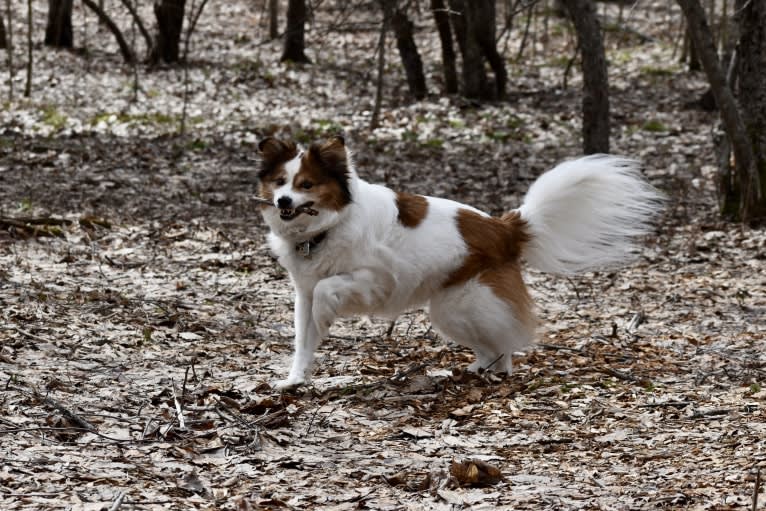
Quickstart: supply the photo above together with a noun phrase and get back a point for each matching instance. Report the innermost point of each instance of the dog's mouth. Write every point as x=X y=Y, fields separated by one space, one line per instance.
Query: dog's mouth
x=287 y=214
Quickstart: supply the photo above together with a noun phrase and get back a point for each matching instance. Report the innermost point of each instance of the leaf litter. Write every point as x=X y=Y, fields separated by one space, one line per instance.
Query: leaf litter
x=143 y=321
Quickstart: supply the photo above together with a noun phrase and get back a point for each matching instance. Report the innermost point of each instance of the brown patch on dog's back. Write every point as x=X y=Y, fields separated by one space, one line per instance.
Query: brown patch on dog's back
x=494 y=248
x=412 y=209
x=326 y=168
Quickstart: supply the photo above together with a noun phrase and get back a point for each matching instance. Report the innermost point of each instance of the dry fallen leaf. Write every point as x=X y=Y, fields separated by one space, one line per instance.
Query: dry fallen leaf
x=475 y=473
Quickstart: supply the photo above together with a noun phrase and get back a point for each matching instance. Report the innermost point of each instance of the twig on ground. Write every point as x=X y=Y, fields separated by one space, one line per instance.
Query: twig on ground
x=36 y=226
x=674 y=404
x=701 y=414
x=69 y=414
x=117 y=502
x=28 y=334
x=756 y=488
x=390 y=330
x=558 y=347
x=636 y=320
x=179 y=408
x=396 y=378
x=617 y=374
x=71 y=429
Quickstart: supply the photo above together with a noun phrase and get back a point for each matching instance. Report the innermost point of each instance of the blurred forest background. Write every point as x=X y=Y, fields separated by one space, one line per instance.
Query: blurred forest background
x=143 y=321
x=135 y=54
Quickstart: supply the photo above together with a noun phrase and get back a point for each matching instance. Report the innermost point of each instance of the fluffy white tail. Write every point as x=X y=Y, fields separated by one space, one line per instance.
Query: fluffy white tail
x=585 y=214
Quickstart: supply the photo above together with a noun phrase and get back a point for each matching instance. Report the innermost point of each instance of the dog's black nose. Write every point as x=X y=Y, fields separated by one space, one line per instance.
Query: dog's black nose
x=284 y=202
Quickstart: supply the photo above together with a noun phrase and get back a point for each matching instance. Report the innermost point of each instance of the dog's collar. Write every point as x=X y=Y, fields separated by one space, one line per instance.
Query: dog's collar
x=305 y=248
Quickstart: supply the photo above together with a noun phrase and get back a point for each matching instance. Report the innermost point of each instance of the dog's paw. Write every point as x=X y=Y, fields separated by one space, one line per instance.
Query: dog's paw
x=290 y=383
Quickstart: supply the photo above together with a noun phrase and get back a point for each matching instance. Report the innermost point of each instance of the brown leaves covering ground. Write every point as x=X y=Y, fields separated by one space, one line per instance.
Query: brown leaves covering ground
x=138 y=345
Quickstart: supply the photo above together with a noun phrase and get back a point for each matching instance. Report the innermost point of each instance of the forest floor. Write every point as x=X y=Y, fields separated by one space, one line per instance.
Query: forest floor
x=143 y=321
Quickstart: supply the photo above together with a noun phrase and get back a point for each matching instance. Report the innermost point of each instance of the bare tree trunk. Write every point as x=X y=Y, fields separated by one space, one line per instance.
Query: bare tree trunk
x=58 y=31
x=738 y=202
x=170 y=19
x=3 y=41
x=9 y=12
x=194 y=15
x=480 y=20
x=28 y=85
x=751 y=72
x=295 y=42
x=689 y=52
x=441 y=19
x=375 y=121
x=474 y=76
x=595 y=102
x=273 y=19
x=408 y=50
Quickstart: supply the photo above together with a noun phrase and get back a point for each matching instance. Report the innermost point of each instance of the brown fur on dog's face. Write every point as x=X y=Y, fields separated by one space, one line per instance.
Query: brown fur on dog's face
x=324 y=170
x=274 y=154
x=319 y=175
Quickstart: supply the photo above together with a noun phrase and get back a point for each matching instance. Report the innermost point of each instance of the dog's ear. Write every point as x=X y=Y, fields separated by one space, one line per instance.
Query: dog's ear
x=331 y=155
x=272 y=149
x=273 y=152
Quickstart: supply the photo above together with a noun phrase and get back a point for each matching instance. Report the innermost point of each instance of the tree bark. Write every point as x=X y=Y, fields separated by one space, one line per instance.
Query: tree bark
x=408 y=50
x=375 y=121
x=28 y=84
x=595 y=102
x=3 y=42
x=473 y=75
x=58 y=31
x=744 y=182
x=295 y=42
x=273 y=19
x=751 y=71
x=474 y=24
x=480 y=21
x=170 y=19
x=9 y=49
x=441 y=19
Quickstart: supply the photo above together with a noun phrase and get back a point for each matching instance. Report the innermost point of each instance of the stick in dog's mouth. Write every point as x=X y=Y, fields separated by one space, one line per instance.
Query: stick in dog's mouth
x=289 y=212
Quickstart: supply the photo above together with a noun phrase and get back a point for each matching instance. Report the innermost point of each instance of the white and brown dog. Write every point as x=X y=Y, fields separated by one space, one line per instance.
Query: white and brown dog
x=365 y=249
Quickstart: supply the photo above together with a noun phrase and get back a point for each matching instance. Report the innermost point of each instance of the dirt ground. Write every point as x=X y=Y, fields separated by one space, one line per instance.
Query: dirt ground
x=143 y=321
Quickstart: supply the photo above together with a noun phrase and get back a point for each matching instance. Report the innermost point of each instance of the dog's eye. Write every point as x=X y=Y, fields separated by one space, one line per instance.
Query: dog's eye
x=280 y=181
x=307 y=185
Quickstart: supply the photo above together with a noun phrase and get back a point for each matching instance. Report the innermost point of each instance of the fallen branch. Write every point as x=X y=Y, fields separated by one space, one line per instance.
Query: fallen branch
x=117 y=502
x=398 y=377
x=36 y=226
x=29 y=334
x=66 y=412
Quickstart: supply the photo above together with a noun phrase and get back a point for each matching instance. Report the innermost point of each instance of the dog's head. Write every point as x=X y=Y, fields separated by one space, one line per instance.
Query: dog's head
x=295 y=180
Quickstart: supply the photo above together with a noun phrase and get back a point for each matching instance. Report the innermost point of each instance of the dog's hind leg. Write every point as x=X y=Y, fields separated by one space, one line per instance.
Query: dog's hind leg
x=490 y=314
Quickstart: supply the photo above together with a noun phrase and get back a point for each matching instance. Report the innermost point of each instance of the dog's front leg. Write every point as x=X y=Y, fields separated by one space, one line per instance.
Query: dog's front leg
x=306 y=341
x=359 y=290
